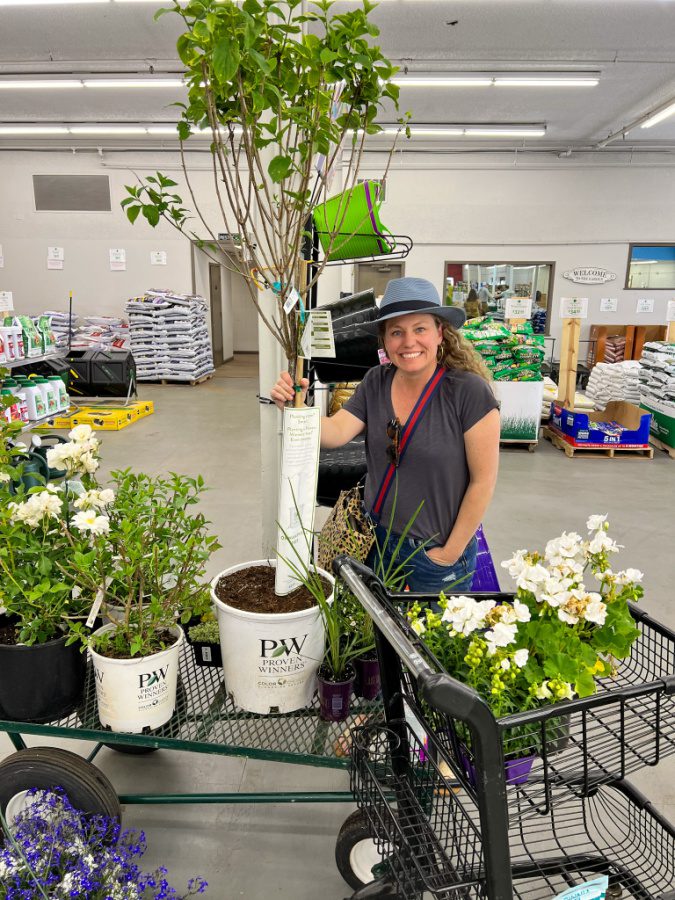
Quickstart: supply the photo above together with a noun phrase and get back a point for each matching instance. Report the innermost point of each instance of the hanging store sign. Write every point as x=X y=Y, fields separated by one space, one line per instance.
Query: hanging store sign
x=589 y=275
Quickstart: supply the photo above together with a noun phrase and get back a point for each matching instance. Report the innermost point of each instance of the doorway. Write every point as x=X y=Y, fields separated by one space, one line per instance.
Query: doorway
x=375 y=275
x=216 y=305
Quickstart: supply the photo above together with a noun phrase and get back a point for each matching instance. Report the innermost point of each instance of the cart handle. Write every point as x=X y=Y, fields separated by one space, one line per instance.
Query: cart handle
x=349 y=571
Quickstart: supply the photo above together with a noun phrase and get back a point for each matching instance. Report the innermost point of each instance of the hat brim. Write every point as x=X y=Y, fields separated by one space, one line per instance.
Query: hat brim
x=452 y=314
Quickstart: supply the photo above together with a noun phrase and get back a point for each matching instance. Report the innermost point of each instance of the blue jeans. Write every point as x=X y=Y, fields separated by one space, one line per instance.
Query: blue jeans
x=421 y=574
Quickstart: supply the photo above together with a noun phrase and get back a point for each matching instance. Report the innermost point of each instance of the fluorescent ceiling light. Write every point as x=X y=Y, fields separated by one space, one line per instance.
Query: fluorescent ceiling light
x=133 y=83
x=47 y=2
x=442 y=81
x=162 y=129
x=511 y=80
x=469 y=130
x=36 y=84
x=546 y=81
x=659 y=116
x=33 y=129
x=107 y=129
x=506 y=132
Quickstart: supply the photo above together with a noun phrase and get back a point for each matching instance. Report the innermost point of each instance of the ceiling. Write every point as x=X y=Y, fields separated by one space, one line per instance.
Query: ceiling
x=630 y=44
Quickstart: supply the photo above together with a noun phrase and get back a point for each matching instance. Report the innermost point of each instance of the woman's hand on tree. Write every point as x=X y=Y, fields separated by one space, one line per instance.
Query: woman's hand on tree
x=283 y=391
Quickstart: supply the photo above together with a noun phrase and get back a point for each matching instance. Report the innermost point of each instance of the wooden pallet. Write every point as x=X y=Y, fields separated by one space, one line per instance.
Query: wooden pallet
x=612 y=451
x=530 y=446
x=661 y=446
x=189 y=381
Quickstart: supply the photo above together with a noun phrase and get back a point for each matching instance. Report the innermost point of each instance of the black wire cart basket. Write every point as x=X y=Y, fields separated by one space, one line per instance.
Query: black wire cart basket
x=454 y=817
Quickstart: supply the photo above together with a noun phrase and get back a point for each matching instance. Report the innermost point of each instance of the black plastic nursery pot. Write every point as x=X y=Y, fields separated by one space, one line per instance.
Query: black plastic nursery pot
x=207 y=654
x=42 y=682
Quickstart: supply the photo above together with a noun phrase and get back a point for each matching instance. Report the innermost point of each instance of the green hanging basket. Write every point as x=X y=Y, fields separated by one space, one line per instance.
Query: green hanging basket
x=352 y=221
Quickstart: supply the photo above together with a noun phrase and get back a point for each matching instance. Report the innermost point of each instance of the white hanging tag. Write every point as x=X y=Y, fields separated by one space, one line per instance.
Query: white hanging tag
x=291 y=301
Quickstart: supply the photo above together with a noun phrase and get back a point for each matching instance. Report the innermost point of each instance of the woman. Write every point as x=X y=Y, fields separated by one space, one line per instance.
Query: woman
x=472 y=305
x=450 y=465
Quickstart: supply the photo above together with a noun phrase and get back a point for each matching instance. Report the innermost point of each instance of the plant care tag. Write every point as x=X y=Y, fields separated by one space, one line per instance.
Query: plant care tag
x=95 y=607
x=317 y=338
x=297 y=495
x=590 y=890
x=292 y=300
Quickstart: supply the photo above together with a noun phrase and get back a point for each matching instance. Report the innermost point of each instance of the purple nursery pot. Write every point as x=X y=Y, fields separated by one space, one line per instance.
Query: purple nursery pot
x=334 y=696
x=367 y=684
x=516 y=771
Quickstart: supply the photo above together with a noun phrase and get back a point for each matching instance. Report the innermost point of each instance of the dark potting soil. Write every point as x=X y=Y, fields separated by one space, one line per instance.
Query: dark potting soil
x=7 y=635
x=252 y=590
x=161 y=641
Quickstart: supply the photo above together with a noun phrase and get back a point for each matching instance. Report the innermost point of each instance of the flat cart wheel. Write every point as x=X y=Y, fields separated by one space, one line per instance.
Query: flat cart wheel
x=87 y=787
x=356 y=852
x=130 y=749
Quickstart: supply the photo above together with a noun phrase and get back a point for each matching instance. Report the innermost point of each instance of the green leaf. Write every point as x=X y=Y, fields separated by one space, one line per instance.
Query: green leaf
x=132 y=213
x=585 y=684
x=327 y=56
x=279 y=168
x=226 y=60
x=151 y=213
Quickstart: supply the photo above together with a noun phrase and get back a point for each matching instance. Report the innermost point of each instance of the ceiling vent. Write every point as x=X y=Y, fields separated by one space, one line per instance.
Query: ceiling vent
x=72 y=193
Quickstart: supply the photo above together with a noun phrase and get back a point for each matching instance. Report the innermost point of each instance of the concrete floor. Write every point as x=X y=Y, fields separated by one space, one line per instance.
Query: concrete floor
x=283 y=850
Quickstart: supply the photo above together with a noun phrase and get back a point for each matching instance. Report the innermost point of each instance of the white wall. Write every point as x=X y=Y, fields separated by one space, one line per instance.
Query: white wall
x=570 y=215
x=463 y=209
x=86 y=238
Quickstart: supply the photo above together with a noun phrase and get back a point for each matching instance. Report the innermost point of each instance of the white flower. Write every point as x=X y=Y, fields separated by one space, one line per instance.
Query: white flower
x=596 y=610
x=4 y=477
x=555 y=591
x=531 y=576
x=602 y=543
x=568 y=617
x=81 y=433
x=629 y=576
x=522 y=611
x=516 y=564
x=87 y=520
x=95 y=499
x=596 y=523
x=543 y=692
x=88 y=463
x=418 y=626
x=505 y=664
x=40 y=506
x=605 y=575
x=520 y=657
x=465 y=615
x=501 y=635
x=565 y=551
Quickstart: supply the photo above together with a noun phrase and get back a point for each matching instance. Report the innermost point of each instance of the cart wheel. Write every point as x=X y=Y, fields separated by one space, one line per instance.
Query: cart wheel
x=87 y=787
x=356 y=852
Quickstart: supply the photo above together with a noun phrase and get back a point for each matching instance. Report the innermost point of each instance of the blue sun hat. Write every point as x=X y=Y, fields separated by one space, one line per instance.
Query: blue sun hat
x=404 y=296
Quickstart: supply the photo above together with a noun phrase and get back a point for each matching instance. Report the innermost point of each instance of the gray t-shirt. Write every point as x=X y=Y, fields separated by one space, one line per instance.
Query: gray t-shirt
x=434 y=468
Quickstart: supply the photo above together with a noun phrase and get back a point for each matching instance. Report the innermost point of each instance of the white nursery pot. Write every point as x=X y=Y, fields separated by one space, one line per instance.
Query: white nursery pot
x=258 y=681
x=139 y=693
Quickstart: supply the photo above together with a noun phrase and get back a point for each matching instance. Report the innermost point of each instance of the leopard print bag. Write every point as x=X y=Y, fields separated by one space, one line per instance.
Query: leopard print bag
x=348 y=530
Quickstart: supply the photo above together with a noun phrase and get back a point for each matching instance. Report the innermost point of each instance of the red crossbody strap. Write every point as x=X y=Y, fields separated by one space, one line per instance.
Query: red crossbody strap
x=410 y=427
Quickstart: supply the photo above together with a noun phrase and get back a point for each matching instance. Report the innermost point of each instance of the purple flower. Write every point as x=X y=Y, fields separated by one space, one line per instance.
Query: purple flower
x=57 y=851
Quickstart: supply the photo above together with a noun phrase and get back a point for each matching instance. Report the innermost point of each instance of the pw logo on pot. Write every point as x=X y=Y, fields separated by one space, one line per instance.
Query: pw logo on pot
x=147 y=679
x=284 y=646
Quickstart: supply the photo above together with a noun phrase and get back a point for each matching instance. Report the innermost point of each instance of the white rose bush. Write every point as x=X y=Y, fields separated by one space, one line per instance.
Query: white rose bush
x=41 y=529
x=554 y=639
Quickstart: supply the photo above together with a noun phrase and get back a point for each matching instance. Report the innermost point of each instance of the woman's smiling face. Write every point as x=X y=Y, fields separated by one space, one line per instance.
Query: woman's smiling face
x=411 y=342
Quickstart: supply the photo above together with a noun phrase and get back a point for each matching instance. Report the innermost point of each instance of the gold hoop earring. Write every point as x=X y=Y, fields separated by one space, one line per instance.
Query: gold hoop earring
x=440 y=353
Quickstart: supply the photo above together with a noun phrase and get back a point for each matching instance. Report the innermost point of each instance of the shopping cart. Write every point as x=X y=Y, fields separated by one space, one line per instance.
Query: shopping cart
x=489 y=831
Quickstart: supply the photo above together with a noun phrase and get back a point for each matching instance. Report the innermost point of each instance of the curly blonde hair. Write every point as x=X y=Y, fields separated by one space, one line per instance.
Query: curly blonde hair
x=457 y=352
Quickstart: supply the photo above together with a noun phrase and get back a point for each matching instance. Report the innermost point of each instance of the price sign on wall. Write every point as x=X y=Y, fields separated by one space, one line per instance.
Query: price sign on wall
x=645 y=305
x=670 y=311
x=609 y=304
x=6 y=301
x=574 y=307
x=518 y=308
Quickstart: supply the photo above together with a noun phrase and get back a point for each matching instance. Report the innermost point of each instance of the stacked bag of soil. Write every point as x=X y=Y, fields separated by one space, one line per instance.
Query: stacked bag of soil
x=511 y=354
